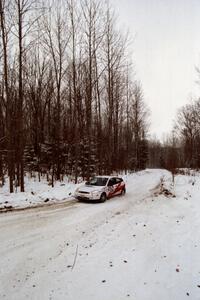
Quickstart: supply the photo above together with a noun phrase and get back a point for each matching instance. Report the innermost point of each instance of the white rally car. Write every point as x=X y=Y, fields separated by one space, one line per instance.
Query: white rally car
x=101 y=188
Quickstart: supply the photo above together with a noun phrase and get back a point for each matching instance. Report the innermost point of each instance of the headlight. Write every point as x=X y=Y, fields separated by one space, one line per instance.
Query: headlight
x=95 y=193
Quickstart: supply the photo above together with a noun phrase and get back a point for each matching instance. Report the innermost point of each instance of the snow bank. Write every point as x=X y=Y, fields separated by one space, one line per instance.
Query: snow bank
x=40 y=193
x=37 y=194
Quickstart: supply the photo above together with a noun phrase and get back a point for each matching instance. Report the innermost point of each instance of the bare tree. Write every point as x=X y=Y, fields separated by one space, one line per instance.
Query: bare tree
x=56 y=39
x=5 y=28
x=139 y=119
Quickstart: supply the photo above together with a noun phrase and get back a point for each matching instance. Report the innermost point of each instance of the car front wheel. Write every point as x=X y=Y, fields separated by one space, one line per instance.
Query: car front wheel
x=103 y=197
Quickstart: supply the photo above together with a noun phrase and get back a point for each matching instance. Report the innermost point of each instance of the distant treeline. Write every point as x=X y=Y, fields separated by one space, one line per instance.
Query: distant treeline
x=182 y=148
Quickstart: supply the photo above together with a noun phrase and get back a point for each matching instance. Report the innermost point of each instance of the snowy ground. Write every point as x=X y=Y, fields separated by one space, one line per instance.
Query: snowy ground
x=143 y=246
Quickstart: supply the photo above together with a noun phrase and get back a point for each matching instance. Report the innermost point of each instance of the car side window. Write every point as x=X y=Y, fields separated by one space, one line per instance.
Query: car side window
x=112 y=182
x=118 y=180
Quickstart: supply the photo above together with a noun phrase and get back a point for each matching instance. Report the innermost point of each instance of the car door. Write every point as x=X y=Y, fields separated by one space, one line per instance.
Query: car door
x=118 y=186
x=111 y=187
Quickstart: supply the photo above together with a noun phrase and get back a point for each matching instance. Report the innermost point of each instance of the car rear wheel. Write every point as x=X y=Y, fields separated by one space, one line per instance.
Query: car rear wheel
x=123 y=192
x=103 y=197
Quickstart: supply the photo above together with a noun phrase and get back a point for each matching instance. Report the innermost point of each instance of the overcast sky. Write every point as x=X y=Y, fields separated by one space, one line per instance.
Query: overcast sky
x=165 y=52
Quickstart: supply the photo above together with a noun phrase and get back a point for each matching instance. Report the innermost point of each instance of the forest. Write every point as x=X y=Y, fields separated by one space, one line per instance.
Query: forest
x=181 y=149
x=70 y=100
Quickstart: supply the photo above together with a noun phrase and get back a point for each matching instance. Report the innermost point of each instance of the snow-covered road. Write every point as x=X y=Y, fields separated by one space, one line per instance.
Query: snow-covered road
x=133 y=247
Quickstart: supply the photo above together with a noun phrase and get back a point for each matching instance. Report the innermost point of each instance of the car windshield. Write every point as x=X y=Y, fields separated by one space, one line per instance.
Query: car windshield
x=97 y=181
